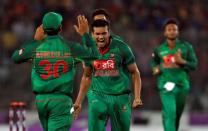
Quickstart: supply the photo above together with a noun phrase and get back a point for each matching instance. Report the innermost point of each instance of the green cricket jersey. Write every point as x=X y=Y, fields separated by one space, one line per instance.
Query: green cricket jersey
x=163 y=55
x=53 y=62
x=110 y=74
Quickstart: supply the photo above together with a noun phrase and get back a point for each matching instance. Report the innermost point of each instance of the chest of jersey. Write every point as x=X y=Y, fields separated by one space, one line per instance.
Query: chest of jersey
x=167 y=55
x=108 y=64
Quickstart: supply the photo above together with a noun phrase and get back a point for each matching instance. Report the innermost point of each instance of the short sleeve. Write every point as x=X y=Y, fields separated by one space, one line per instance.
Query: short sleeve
x=127 y=53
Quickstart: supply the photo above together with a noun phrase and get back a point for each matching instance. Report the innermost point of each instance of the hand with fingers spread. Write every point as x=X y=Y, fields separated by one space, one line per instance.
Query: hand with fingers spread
x=39 y=34
x=82 y=25
x=137 y=102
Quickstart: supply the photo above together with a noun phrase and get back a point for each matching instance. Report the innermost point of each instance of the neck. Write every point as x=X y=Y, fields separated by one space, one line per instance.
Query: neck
x=171 y=43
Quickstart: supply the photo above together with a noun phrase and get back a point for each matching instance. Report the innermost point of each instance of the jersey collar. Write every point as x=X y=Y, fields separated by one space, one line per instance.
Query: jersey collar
x=53 y=36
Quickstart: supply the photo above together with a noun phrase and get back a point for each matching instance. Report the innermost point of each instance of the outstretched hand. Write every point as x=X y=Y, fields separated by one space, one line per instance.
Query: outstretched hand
x=39 y=33
x=82 y=25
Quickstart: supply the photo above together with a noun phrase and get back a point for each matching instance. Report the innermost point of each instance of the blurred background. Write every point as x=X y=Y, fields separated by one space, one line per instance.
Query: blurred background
x=138 y=22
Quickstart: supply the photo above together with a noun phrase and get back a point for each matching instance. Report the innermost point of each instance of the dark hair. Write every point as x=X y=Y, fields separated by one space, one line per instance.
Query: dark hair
x=100 y=23
x=171 y=21
x=100 y=11
x=51 y=31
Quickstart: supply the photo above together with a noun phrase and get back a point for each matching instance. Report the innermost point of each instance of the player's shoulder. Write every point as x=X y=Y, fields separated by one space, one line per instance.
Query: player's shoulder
x=66 y=42
x=161 y=45
x=119 y=42
x=185 y=43
x=117 y=37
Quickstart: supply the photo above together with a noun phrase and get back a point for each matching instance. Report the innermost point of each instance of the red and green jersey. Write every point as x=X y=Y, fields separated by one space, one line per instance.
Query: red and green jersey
x=163 y=56
x=110 y=74
x=53 y=63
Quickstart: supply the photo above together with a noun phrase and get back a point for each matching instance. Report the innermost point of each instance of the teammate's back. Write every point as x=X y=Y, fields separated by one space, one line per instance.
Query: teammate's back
x=53 y=65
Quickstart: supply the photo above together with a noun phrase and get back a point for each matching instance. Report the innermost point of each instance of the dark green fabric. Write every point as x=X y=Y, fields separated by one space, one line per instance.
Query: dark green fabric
x=103 y=107
x=54 y=112
x=173 y=104
x=52 y=20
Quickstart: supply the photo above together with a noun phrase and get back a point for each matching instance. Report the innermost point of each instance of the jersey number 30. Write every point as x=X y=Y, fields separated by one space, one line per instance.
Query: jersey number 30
x=53 y=69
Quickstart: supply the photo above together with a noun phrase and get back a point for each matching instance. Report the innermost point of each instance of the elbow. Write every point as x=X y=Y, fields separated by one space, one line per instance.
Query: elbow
x=15 y=60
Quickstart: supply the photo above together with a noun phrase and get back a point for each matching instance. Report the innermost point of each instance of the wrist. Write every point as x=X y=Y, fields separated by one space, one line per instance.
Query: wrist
x=137 y=98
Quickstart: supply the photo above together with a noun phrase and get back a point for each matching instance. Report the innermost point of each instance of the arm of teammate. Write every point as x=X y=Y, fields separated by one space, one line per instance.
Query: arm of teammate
x=39 y=33
x=25 y=53
x=82 y=28
x=155 y=63
x=84 y=86
x=136 y=80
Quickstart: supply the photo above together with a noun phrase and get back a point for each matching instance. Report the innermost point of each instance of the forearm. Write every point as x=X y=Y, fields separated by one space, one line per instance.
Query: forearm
x=90 y=44
x=136 y=80
x=84 y=86
x=87 y=40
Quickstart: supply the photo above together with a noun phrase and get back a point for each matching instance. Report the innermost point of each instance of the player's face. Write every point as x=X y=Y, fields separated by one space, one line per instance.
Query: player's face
x=101 y=36
x=100 y=17
x=171 y=31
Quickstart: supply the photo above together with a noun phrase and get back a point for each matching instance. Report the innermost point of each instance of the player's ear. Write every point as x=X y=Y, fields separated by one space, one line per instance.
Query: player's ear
x=164 y=33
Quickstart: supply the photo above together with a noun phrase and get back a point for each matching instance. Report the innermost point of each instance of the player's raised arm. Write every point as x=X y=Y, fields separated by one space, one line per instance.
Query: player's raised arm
x=88 y=48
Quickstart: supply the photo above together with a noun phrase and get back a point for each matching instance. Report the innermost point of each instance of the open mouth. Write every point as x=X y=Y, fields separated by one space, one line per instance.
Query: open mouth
x=101 y=40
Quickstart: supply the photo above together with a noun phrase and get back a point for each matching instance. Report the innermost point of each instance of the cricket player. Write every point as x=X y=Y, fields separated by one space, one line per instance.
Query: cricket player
x=171 y=62
x=53 y=69
x=102 y=14
x=109 y=82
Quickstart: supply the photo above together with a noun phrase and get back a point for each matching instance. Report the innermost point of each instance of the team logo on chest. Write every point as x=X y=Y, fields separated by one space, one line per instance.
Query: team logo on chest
x=112 y=55
x=168 y=59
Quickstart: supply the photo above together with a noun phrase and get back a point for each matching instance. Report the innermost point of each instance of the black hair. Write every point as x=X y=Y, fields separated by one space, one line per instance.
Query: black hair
x=100 y=23
x=51 y=31
x=171 y=21
x=100 y=11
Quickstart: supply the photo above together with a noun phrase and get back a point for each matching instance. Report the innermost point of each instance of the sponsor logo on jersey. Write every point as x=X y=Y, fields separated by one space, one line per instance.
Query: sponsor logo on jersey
x=112 y=55
x=104 y=64
x=168 y=59
x=105 y=68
